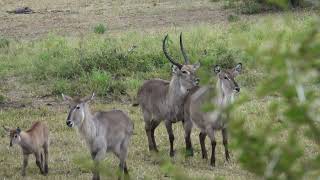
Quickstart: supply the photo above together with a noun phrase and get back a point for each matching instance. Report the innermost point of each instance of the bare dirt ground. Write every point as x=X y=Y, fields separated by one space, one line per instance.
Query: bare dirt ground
x=76 y=17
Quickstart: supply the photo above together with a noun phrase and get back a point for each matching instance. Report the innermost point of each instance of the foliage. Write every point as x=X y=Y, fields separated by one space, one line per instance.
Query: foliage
x=294 y=77
x=4 y=42
x=100 y=29
x=258 y=6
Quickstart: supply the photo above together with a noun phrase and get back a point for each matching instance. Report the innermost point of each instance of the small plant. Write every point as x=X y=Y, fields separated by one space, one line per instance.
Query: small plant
x=2 y=98
x=100 y=29
x=233 y=18
x=4 y=42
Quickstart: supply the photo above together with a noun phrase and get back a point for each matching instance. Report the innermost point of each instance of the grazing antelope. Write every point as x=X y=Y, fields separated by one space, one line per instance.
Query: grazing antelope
x=103 y=131
x=162 y=100
x=32 y=141
x=208 y=122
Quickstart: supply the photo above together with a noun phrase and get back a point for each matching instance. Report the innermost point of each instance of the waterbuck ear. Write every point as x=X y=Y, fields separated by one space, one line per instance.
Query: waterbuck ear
x=66 y=98
x=175 y=69
x=237 y=70
x=6 y=128
x=217 y=69
x=196 y=65
x=18 y=130
x=88 y=98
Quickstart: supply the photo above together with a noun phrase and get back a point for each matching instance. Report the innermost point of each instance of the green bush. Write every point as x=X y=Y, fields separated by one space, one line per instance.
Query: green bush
x=100 y=29
x=4 y=42
x=2 y=98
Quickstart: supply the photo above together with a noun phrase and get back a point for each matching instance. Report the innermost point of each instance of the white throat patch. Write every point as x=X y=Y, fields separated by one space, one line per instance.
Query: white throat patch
x=183 y=89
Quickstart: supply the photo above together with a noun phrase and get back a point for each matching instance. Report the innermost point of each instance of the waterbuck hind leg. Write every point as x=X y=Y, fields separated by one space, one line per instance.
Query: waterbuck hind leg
x=46 y=154
x=202 y=138
x=225 y=143
x=187 y=125
x=148 y=127
x=25 y=164
x=38 y=161
x=124 y=174
x=154 y=125
x=210 y=133
x=171 y=136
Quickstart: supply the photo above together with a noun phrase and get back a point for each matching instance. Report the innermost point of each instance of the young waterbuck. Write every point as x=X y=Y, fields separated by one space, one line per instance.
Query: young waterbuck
x=103 y=131
x=162 y=100
x=32 y=141
x=208 y=122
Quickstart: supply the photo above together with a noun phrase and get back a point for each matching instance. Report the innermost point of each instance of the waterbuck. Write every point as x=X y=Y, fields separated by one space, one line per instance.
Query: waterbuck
x=103 y=131
x=32 y=141
x=162 y=100
x=208 y=122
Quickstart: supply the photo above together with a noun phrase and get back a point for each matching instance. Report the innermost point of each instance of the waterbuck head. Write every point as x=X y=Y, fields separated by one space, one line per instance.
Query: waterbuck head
x=77 y=109
x=226 y=78
x=14 y=135
x=186 y=73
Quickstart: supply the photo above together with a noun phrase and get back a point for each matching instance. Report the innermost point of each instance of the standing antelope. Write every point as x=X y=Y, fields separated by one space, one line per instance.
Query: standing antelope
x=102 y=131
x=208 y=122
x=162 y=100
x=32 y=141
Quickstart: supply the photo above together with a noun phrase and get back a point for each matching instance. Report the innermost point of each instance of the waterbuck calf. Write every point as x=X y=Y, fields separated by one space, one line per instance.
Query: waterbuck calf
x=32 y=141
x=162 y=100
x=103 y=131
x=208 y=122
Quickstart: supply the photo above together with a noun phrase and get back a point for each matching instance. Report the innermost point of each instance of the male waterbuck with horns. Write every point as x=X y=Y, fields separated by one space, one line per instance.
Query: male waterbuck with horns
x=32 y=141
x=209 y=122
x=162 y=100
x=103 y=131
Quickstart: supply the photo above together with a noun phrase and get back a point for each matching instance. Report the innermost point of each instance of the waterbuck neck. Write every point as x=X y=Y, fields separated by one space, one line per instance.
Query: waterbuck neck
x=87 y=128
x=223 y=98
x=176 y=92
x=25 y=141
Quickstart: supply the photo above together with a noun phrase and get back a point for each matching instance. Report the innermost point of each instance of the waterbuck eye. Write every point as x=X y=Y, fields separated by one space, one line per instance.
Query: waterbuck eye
x=225 y=77
x=184 y=72
x=15 y=136
x=78 y=107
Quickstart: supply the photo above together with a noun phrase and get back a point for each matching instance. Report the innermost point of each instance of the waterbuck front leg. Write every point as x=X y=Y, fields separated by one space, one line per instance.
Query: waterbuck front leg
x=171 y=136
x=187 y=125
x=225 y=143
x=25 y=164
x=210 y=132
x=202 y=139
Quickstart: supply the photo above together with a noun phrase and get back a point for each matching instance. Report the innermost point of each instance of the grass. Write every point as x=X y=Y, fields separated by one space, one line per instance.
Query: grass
x=102 y=63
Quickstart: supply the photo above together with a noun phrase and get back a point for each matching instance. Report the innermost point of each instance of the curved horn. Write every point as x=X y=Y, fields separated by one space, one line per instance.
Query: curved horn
x=167 y=54
x=186 y=59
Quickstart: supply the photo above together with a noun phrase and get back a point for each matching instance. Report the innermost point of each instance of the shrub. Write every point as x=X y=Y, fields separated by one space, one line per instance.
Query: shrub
x=233 y=18
x=100 y=29
x=2 y=98
x=4 y=42
x=62 y=86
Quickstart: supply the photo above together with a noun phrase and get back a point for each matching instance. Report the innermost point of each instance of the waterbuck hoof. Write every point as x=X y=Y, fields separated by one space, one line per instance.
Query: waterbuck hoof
x=189 y=153
x=46 y=169
x=172 y=153
x=213 y=163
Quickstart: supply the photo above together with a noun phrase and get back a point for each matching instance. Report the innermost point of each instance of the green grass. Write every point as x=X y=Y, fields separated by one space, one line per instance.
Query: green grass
x=56 y=64
x=100 y=29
